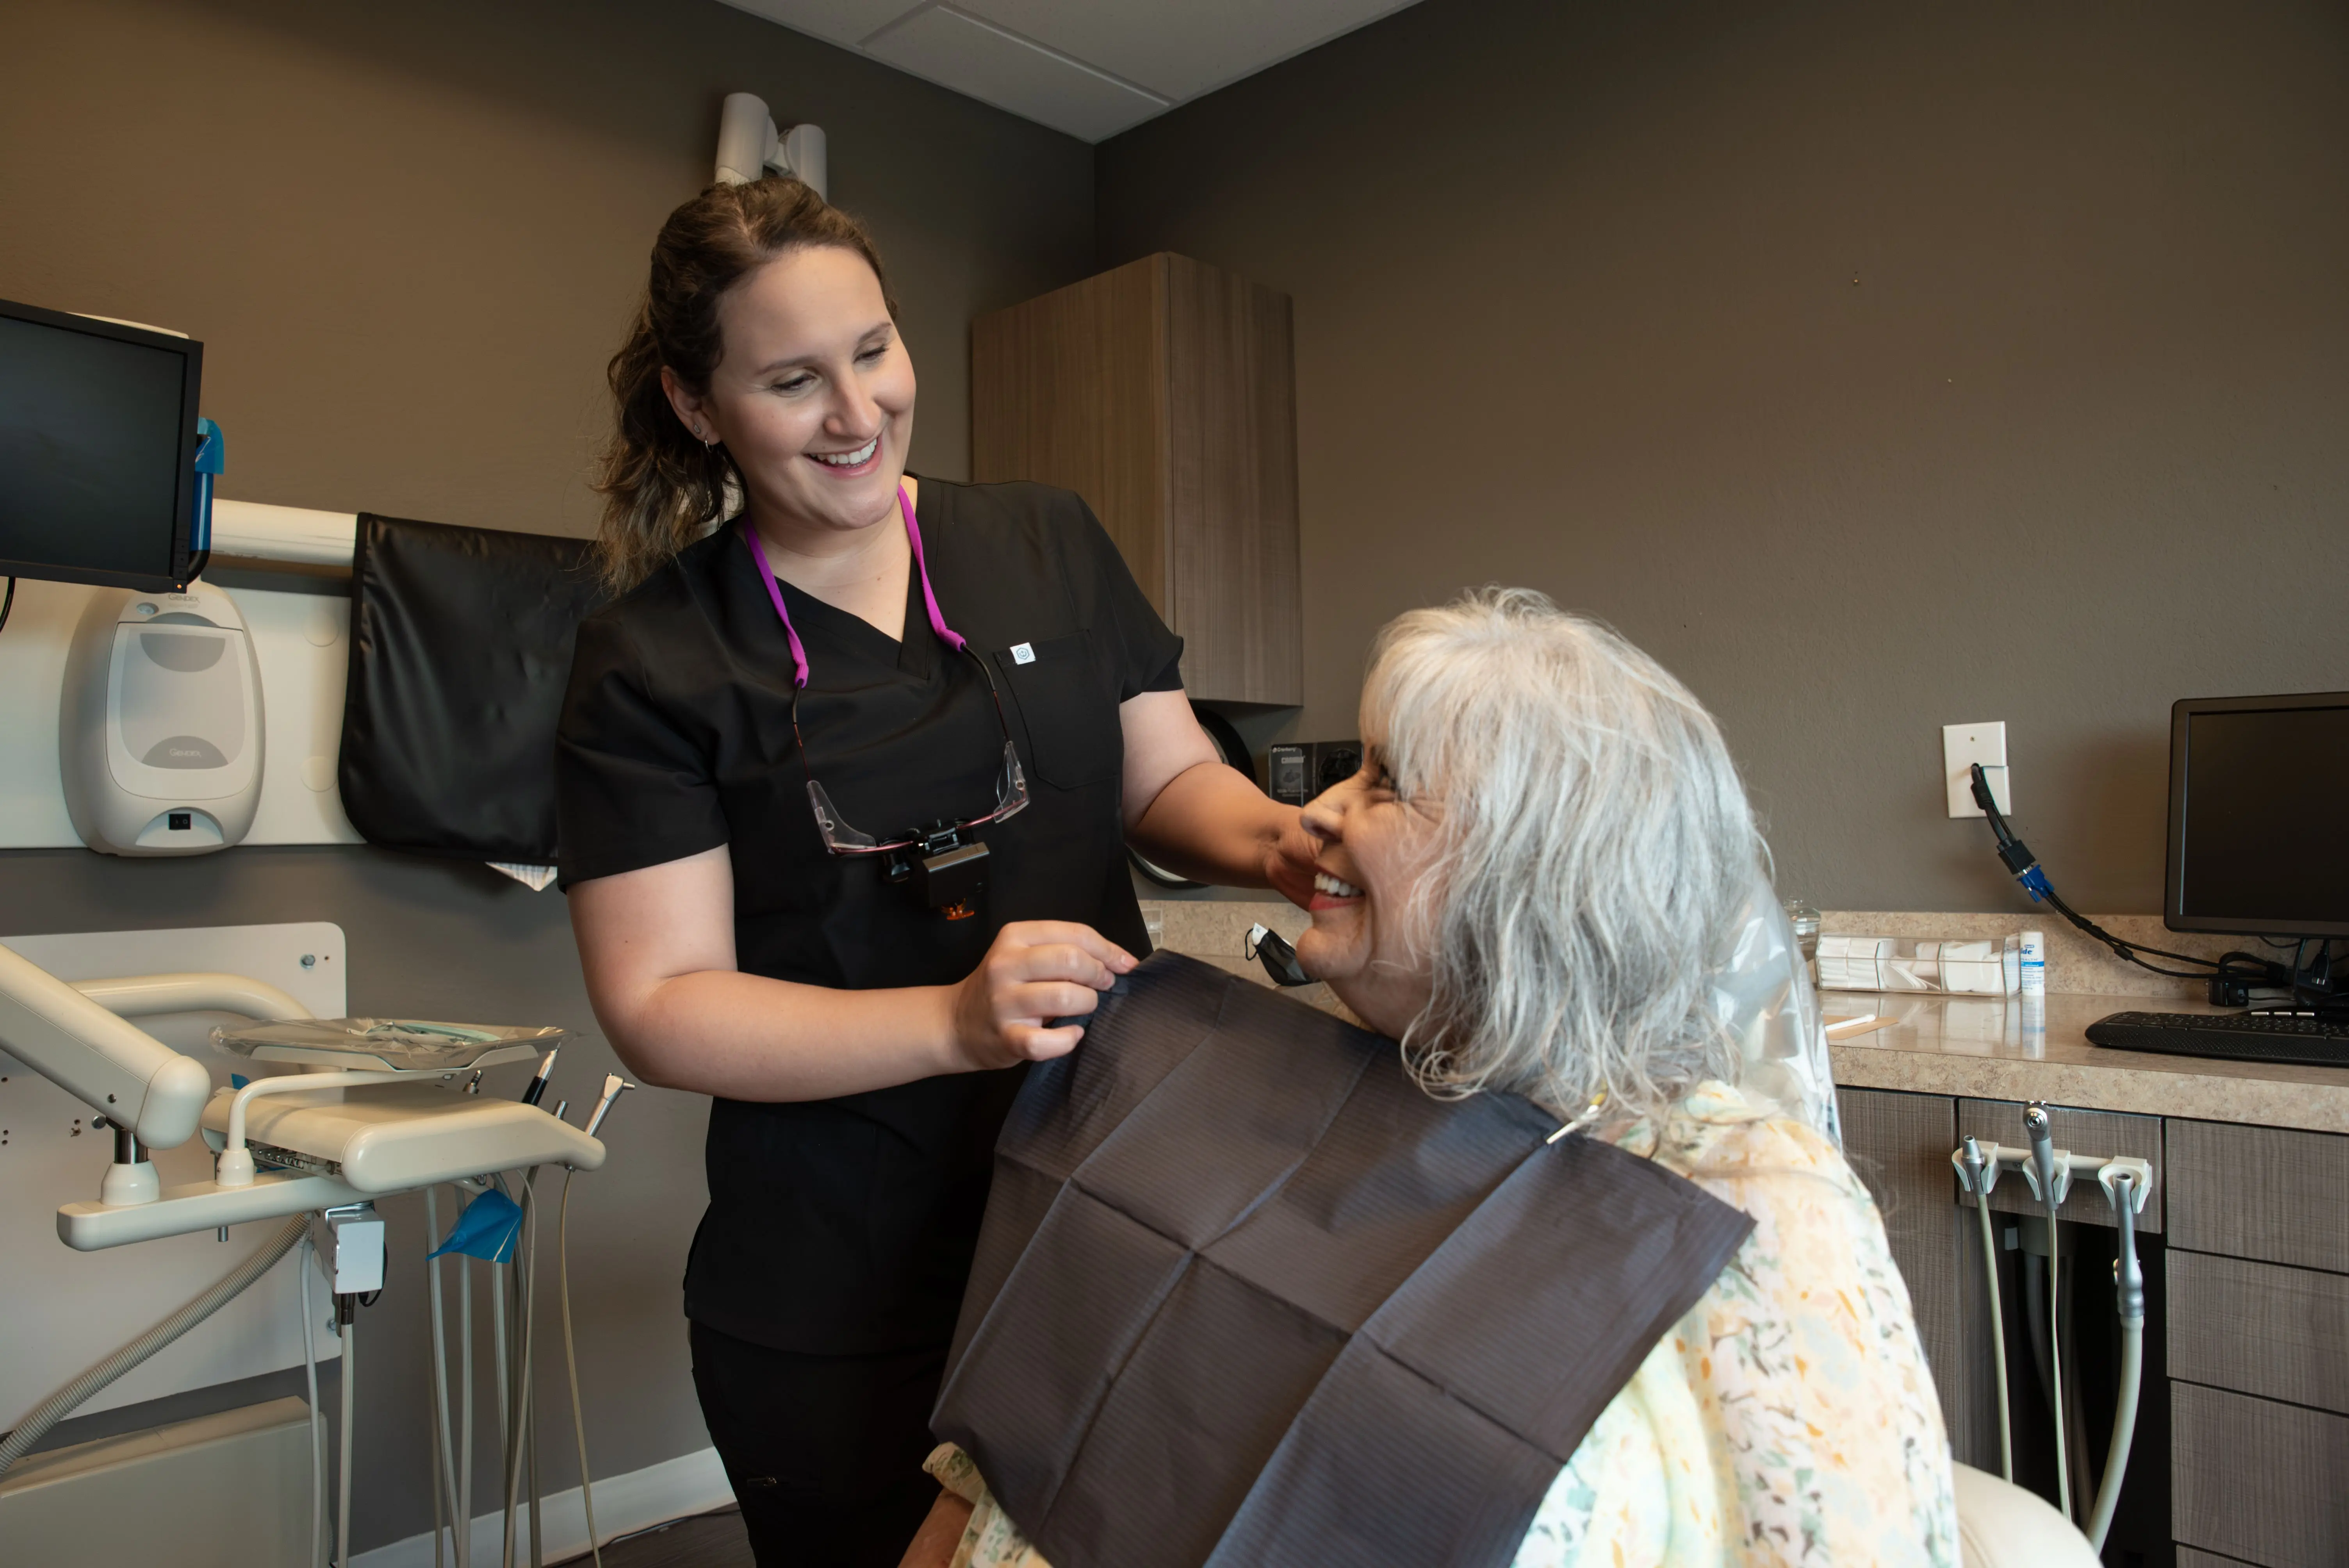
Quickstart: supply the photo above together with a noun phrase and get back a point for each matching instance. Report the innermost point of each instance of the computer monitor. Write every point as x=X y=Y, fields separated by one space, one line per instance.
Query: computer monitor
x=2258 y=815
x=98 y=449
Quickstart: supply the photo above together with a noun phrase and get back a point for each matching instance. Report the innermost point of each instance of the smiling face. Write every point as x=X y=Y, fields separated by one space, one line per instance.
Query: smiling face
x=813 y=397
x=1371 y=937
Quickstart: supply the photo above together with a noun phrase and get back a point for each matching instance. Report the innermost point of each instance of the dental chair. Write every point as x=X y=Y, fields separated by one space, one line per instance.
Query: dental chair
x=2001 y=1525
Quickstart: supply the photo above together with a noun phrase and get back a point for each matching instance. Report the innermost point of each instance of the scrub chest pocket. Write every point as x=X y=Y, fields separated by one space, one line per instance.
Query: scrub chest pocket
x=1074 y=737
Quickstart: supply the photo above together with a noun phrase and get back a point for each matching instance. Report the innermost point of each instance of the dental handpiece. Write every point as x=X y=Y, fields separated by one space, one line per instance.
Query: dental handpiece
x=614 y=1085
x=2040 y=1129
x=537 y=1089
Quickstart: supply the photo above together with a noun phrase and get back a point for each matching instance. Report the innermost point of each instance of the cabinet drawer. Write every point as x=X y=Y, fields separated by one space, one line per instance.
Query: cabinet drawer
x=1898 y=1144
x=2260 y=1328
x=2098 y=1132
x=2256 y=1481
x=2259 y=1193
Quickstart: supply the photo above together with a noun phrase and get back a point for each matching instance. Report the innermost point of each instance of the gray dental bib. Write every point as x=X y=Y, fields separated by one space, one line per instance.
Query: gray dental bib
x=1246 y=1295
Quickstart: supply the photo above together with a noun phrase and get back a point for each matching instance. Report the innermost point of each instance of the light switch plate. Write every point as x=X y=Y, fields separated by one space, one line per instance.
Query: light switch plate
x=1962 y=746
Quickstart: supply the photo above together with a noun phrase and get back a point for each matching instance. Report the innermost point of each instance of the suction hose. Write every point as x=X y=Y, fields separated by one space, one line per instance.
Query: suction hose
x=2036 y=1124
x=2129 y=1292
x=1981 y=1172
x=57 y=1406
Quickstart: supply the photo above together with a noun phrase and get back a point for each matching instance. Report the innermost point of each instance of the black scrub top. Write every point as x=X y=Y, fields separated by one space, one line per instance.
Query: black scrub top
x=846 y=1226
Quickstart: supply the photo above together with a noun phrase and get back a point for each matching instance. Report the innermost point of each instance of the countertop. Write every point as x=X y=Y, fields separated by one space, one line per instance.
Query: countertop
x=1982 y=1048
x=1999 y=1047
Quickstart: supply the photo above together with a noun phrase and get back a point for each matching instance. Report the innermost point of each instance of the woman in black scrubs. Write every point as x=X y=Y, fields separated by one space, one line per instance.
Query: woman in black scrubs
x=858 y=659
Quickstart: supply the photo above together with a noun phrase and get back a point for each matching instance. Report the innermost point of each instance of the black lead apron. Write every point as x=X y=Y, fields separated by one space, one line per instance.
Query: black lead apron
x=845 y=1227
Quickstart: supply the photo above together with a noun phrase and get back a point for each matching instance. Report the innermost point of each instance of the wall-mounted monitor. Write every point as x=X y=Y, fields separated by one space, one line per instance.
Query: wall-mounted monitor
x=2258 y=815
x=98 y=450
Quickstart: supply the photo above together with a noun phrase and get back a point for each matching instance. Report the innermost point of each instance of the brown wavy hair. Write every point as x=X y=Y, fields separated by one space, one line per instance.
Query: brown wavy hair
x=662 y=490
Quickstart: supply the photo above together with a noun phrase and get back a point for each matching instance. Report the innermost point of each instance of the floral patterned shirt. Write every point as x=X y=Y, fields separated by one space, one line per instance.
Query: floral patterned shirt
x=1787 y=1421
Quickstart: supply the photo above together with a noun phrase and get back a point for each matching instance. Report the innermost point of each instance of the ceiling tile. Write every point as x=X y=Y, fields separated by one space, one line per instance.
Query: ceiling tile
x=848 y=22
x=1182 y=51
x=971 y=56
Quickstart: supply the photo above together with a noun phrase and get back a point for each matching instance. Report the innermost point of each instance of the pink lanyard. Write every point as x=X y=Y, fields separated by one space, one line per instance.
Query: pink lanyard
x=947 y=635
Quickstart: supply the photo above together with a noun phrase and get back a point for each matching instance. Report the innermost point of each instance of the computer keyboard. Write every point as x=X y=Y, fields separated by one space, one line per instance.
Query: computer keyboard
x=2296 y=1037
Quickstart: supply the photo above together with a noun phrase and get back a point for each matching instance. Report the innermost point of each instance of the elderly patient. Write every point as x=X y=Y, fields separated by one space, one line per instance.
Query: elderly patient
x=1528 y=884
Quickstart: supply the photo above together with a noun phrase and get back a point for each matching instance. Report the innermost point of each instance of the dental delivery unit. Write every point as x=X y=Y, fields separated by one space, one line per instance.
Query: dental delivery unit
x=371 y=1107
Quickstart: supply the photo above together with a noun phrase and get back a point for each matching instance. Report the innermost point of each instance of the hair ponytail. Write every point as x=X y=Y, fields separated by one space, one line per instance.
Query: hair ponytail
x=662 y=489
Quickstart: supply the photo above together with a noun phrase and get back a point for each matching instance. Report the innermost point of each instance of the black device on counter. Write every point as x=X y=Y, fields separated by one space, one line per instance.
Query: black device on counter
x=1302 y=769
x=98 y=450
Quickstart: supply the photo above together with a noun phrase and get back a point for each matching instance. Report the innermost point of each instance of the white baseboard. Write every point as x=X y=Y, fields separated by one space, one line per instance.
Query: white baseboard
x=690 y=1483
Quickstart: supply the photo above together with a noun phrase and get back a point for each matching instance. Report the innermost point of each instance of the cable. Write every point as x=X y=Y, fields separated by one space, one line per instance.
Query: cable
x=444 y=1478
x=571 y=1359
x=440 y=1505
x=522 y=1374
x=317 y=1429
x=2019 y=861
x=465 y=1407
x=525 y=1285
x=7 y=605
x=530 y=1410
x=53 y=1409
x=349 y=1327
x=505 y=1371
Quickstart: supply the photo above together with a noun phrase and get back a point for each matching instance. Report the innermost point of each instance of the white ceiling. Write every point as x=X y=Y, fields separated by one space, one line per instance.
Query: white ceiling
x=1089 y=67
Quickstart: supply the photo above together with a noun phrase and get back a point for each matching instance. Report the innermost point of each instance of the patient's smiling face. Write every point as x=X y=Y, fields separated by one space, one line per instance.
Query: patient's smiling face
x=1370 y=937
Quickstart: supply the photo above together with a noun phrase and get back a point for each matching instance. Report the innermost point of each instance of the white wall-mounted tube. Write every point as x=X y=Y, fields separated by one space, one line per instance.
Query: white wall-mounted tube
x=284 y=533
x=746 y=138
x=748 y=145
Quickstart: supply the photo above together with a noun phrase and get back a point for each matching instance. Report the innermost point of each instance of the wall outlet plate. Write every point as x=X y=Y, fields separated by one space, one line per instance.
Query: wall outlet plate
x=1962 y=746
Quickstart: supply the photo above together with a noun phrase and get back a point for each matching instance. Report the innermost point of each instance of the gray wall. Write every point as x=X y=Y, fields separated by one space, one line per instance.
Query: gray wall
x=409 y=237
x=1876 y=366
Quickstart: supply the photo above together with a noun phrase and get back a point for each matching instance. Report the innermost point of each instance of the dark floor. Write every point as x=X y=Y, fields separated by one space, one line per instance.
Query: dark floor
x=705 y=1541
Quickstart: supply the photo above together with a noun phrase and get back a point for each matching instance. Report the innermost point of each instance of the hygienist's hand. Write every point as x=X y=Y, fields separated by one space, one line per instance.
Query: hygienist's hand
x=1288 y=863
x=1038 y=970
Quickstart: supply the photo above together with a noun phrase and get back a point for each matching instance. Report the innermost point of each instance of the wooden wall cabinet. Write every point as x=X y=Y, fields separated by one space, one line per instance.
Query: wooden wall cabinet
x=1163 y=392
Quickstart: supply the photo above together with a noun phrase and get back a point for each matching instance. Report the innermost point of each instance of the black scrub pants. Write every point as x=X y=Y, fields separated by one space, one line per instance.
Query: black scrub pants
x=824 y=1452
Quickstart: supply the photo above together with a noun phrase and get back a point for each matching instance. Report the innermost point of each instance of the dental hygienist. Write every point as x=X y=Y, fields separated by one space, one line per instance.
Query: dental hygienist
x=768 y=706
